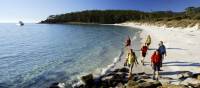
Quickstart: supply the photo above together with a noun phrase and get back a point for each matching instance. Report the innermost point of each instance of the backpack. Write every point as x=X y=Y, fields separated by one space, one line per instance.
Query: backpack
x=132 y=59
x=148 y=40
x=155 y=58
x=144 y=49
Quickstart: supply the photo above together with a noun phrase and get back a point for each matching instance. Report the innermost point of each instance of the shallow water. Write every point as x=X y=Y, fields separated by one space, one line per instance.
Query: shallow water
x=35 y=55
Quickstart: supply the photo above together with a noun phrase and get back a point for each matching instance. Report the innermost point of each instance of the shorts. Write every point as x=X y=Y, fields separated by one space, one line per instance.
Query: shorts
x=143 y=54
x=156 y=67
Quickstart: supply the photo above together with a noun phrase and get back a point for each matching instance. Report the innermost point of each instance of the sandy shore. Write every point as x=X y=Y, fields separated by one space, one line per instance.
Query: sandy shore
x=182 y=45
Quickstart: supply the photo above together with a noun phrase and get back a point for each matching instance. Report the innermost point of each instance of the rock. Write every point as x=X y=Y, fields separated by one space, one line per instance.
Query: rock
x=120 y=85
x=106 y=78
x=173 y=86
x=167 y=78
x=114 y=79
x=154 y=84
x=140 y=81
x=61 y=85
x=78 y=85
x=125 y=70
x=157 y=83
x=142 y=73
x=198 y=77
x=185 y=74
x=116 y=70
x=57 y=85
x=132 y=84
x=88 y=79
x=146 y=85
x=190 y=81
x=164 y=81
x=144 y=76
x=54 y=85
x=194 y=85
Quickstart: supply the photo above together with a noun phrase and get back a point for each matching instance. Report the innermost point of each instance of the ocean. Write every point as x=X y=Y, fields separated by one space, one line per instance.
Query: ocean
x=36 y=55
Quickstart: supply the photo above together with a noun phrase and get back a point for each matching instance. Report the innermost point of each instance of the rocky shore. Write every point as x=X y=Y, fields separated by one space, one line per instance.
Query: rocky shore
x=119 y=79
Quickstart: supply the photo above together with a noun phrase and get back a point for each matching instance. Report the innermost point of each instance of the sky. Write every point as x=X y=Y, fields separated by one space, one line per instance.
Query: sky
x=37 y=10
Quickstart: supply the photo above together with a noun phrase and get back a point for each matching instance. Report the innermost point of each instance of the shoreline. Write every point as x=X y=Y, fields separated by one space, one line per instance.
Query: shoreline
x=182 y=56
x=178 y=60
x=117 y=63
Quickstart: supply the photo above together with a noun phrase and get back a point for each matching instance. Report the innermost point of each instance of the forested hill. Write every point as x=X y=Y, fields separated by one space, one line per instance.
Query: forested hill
x=119 y=16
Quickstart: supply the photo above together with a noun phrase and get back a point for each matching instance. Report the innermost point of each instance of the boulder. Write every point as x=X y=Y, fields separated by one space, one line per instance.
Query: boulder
x=125 y=70
x=185 y=74
x=194 y=85
x=116 y=70
x=165 y=80
x=145 y=76
x=114 y=80
x=190 y=81
x=57 y=85
x=140 y=81
x=106 y=78
x=198 y=77
x=120 y=85
x=88 y=79
x=154 y=84
x=141 y=73
x=157 y=83
x=132 y=84
x=146 y=85
x=54 y=85
x=173 y=86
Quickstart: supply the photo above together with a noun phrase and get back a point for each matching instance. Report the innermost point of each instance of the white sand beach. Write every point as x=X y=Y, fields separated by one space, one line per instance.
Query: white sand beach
x=182 y=45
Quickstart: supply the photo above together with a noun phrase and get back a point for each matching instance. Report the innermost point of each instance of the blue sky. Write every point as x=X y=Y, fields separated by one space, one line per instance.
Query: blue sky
x=37 y=10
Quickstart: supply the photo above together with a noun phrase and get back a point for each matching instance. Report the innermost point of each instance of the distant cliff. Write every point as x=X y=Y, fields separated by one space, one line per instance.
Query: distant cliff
x=190 y=16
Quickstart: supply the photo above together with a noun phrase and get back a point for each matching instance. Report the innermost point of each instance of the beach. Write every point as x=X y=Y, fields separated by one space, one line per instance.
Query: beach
x=182 y=46
x=180 y=66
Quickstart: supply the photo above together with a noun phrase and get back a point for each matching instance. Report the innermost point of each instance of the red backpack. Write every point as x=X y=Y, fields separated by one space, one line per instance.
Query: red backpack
x=144 y=49
x=155 y=58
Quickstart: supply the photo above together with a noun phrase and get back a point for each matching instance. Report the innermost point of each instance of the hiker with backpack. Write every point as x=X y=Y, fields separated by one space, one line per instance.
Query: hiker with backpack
x=155 y=63
x=162 y=51
x=128 y=42
x=148 y=40
x=144 y=52
x=131 y=60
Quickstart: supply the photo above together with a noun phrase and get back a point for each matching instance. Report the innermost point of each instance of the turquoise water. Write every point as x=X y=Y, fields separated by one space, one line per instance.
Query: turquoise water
x=36 y=55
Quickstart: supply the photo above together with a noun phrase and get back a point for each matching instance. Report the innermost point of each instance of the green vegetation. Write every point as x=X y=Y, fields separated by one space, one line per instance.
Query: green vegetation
x=190 y=16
